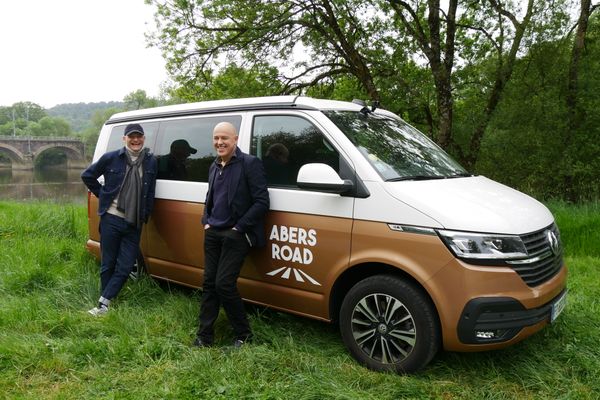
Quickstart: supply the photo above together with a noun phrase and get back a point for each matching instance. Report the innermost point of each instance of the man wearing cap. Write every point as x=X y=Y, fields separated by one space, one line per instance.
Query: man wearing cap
x=125 y=204
x=172 y=166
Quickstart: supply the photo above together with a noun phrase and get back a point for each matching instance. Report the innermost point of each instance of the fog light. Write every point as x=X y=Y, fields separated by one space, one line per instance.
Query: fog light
x=485 y=334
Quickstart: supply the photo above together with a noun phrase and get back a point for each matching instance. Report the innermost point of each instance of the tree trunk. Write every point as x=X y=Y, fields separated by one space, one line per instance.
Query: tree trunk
x=430 y=42
x=576 y=53
x=444 y=105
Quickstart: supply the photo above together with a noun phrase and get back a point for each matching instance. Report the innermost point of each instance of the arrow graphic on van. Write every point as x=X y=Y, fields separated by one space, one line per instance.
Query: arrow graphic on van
x=298 y=274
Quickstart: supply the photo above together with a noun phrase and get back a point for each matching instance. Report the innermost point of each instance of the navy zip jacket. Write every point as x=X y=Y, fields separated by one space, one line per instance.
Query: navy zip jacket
x=248 y=197
x=113 y=165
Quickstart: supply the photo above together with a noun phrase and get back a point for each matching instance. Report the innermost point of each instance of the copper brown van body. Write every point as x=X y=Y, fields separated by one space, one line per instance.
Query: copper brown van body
x=372 y=226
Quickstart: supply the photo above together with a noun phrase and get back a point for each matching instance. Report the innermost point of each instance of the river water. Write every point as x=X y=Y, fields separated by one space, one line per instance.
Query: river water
x=57 y=184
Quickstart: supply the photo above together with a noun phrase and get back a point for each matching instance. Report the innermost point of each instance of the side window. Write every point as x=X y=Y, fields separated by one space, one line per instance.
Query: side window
x=285 y=143
x=184 y=147
x=116 y=135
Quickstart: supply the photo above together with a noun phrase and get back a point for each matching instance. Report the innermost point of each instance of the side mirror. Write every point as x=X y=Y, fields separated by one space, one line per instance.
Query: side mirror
x=322 y=178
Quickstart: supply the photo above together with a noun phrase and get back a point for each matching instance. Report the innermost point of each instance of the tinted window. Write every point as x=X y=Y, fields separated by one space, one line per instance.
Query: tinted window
x=285 y=143
x=184 y=147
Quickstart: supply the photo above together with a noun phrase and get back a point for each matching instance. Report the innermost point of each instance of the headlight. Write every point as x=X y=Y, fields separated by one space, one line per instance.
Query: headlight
x=483 y=246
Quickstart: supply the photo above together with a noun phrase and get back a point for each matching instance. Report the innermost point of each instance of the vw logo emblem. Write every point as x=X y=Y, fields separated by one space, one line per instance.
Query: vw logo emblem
x=553 y=241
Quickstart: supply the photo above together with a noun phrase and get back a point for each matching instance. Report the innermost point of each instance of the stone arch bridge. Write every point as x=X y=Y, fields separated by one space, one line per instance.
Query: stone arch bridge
x=23 y=151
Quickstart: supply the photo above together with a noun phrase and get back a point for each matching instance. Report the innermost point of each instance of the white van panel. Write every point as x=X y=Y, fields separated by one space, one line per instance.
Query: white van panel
x=475 y=204
x=181 y=190
x=380 y=206
x=102 y=143
x=295 y=201
x=314 y=203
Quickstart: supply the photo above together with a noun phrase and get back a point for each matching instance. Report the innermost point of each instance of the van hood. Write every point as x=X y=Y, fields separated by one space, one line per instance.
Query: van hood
x=476 y=204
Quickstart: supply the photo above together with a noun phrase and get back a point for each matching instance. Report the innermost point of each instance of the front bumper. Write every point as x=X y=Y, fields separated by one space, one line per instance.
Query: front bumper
x=499 y=319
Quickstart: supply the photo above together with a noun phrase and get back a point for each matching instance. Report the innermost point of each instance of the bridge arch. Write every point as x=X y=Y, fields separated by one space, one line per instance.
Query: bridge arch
x=16 y=157
x=75 y=158
x=23 y=151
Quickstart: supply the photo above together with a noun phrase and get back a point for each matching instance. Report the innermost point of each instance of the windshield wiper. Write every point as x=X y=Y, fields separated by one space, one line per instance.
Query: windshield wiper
x=415 y=178
x=461 y=175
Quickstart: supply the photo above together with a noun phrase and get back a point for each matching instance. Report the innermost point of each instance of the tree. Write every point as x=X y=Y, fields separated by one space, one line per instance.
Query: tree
x=138 y=100
x=440 y=53
x=28 y=111
x=233 y=82
x=14 y=119
x=49 y=126
x=379 y=43
x=5 y=115
x=461 y=36
x=313 y=40
x=532 y=143
x=582 y=152
x=585 y=11
x=90 y=135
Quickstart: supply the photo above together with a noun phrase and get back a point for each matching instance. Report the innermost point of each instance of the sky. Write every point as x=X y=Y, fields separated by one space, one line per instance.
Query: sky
x=76 y=51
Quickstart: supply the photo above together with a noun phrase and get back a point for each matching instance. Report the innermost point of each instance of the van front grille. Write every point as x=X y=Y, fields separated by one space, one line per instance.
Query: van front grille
x=544 y=259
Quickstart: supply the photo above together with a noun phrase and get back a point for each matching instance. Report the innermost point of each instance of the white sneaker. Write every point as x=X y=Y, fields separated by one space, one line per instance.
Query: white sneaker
x=134 y=275
x=97 y=311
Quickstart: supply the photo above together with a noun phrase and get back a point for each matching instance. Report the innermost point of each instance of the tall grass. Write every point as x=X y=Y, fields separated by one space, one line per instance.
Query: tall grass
x=50 y=348
x=580 y=225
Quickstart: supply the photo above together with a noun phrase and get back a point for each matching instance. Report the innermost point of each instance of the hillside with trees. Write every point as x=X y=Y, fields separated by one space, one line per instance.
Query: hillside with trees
x=79 y=115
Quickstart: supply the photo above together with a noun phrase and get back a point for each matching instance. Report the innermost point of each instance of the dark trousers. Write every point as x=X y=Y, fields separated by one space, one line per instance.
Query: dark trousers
x=119 y=244
x=224 y=253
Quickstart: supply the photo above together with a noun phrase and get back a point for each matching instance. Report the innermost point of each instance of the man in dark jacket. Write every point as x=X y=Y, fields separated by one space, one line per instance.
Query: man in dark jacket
x=125 y=204
x=233 y=220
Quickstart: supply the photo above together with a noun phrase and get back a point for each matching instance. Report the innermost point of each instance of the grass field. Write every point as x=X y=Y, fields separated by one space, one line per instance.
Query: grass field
x=50 y=348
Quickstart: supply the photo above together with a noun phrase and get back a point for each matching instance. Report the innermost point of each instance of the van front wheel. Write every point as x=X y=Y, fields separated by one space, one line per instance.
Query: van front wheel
x=389 y=325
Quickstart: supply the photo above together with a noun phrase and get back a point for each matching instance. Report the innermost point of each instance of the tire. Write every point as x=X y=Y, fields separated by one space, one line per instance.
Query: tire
x=388 y=324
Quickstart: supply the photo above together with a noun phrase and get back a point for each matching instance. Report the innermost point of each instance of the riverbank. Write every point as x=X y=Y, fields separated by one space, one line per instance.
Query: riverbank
x=50 y=348
x=55 y=184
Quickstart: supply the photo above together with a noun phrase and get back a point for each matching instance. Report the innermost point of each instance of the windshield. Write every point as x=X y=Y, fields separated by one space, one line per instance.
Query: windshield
x=395 y=149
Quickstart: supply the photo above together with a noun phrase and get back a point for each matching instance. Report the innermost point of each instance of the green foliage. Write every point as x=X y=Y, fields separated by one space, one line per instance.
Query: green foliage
x=287 y=35
x=138 y=100
x=49 y=126
x=345 y=88
x=26 y=111
x=14 y=120
x=487 y=82
x=90 y=134
x=524 y=139
x=50 y=348
x=529 y=144
x=233 y=82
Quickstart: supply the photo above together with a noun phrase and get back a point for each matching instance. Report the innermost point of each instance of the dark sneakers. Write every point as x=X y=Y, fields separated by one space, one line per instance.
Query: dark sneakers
x=199 y=342
x=237 y=343
x=242 y=341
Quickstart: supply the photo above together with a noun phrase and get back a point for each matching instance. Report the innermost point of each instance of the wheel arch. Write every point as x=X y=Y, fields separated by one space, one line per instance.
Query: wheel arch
x=357 y=273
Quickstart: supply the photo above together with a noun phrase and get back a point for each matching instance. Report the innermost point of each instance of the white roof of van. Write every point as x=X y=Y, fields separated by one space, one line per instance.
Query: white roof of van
x=275 y=102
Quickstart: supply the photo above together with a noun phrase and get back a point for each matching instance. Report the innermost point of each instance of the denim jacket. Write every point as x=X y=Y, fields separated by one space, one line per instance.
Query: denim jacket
x=113 y=165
